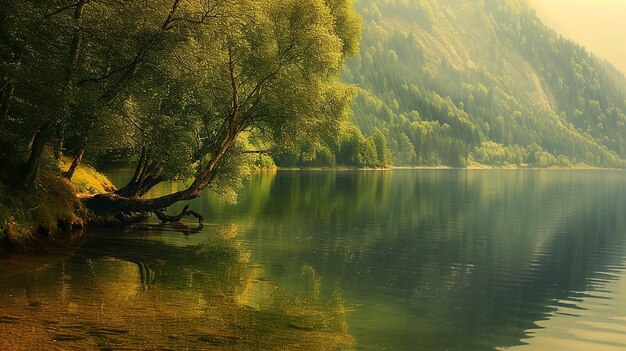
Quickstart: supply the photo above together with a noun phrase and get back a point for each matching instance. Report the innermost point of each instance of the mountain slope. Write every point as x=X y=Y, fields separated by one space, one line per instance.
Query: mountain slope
x=453 y=81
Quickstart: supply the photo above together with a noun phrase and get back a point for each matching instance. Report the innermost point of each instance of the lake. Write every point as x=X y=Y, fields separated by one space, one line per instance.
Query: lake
x=353 y=260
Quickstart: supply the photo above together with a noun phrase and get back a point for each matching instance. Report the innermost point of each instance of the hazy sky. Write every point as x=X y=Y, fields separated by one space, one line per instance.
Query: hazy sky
x=599 y=25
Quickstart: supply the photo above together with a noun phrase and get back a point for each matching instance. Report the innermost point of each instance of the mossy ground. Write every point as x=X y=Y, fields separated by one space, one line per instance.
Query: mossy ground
x=86 y=179
x=50 y=208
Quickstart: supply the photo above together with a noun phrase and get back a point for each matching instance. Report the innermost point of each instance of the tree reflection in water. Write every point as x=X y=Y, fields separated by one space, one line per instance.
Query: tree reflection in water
x=121 y=292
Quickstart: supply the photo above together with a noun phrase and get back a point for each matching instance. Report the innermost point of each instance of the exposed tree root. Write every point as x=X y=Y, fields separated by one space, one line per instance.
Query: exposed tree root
x=185 y=212
x=119 y=219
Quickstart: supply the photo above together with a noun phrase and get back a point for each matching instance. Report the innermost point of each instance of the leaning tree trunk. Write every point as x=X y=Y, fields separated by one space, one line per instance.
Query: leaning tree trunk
x=77 y=160
x=148 y=174
x=36 y=156
x=139 y=188
x=112 y=205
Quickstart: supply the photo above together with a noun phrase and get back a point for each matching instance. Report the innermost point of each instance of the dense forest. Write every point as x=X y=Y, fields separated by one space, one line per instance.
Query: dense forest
x=453 y=82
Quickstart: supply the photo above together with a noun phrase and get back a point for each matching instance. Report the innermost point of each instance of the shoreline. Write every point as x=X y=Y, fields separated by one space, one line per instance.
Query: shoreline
x=491 y=168
x=442 y=168
x=65 y=221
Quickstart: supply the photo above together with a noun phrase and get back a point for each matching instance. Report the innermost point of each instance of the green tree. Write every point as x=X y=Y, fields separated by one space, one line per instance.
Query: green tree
x=406 y=151
x=382 y=150
x=268 y=68
x=189 y=88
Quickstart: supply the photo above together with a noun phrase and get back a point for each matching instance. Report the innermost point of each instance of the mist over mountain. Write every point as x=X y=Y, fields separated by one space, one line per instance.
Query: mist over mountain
x=598 y=25
x=453 y=82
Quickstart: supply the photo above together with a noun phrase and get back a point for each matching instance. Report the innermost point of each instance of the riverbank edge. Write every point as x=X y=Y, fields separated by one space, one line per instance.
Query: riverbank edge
x=53 y=215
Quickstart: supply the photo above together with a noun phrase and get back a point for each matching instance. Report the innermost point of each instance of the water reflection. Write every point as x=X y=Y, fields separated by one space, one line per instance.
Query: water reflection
x=133 y=291
x=402 y=260
x=444 y=260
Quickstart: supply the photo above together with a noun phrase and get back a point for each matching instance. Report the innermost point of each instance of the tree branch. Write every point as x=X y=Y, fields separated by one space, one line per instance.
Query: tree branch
x=164 y=218
x=65 y=8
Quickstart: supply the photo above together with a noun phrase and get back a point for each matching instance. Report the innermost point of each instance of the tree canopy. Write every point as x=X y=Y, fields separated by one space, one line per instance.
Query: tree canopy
x=190 y=89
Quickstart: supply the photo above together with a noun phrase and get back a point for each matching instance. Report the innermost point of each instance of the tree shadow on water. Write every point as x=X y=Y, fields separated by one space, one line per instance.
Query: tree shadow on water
x=142 y=294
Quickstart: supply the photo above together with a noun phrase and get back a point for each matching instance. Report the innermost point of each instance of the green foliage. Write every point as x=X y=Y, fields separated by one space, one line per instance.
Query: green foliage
x=456 y=78
x=185 y=89
x=235 y=167
x=382 y=150
x=350 y=149
x=203 y=89
x=491 y=153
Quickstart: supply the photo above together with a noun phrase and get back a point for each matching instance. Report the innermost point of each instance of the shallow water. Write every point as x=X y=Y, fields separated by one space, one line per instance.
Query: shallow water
x=401 y=260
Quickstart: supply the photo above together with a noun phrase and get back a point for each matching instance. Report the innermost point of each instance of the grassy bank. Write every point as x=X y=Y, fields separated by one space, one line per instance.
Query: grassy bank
x=51 y=210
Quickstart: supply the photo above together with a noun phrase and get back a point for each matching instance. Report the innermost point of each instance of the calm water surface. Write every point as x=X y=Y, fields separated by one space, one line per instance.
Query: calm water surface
x=403 y=260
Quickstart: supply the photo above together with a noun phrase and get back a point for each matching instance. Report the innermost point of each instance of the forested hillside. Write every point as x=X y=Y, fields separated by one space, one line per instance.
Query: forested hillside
x=448 y=82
